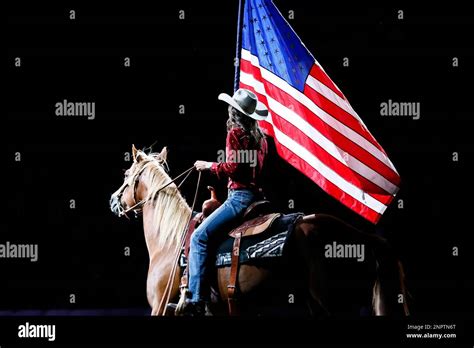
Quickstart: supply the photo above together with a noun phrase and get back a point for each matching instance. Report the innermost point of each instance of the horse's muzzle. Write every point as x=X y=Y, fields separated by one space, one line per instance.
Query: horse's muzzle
x=115 y=205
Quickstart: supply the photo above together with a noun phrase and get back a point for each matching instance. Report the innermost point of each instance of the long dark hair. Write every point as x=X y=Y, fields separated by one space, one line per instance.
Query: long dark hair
x=248 y=124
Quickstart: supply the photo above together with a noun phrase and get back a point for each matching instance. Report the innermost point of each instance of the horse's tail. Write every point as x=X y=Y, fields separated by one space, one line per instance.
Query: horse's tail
x=389 y=292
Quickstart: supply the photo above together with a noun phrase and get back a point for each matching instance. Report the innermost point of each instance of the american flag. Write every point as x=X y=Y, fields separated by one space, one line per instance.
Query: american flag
x=314 y=127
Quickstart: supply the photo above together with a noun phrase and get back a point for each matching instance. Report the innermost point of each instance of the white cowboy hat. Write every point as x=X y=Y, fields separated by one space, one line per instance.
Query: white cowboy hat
x=247 y=103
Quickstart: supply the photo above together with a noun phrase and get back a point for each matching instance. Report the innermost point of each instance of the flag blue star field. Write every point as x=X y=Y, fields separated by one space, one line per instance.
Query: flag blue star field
x=314 y=127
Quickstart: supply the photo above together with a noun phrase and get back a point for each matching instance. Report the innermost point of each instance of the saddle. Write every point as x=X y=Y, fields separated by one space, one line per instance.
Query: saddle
x=254 y=226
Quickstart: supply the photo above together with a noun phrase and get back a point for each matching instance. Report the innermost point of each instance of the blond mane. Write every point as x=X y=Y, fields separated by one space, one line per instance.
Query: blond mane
x=170 y=210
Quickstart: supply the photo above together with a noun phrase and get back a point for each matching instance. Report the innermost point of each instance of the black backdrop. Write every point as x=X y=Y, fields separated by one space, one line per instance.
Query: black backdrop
x=188 y=62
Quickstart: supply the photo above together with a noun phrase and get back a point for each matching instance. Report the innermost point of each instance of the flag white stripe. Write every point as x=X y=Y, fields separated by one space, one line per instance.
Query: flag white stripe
x=324 y=116
x=292 y=117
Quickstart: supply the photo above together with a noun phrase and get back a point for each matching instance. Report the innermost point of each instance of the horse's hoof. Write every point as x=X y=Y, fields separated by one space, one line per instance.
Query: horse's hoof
x=171 y=309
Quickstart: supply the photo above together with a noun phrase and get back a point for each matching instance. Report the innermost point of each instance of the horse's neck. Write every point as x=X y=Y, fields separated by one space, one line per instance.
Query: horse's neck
x=152 y=232
x=151 y=235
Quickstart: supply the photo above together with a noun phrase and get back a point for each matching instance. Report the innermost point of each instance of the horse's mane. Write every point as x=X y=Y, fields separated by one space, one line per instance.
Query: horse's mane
x=170 y=210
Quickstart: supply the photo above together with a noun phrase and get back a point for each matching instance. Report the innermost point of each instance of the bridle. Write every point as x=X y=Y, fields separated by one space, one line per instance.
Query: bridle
x=137 y=206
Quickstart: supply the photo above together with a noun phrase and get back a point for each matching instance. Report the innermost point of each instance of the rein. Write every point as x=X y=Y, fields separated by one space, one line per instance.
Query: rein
x=169 y=284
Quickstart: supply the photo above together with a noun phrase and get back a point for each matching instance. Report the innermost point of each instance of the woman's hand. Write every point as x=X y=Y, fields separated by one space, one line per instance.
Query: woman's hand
x=202 y=165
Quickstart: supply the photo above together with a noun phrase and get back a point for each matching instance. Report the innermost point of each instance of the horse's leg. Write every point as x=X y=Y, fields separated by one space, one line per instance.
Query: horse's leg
x=157 y=283
x=305 y=243
x=389 y=292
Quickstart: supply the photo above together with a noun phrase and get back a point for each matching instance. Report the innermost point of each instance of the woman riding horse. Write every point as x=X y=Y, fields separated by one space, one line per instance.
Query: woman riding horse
x=244 y=138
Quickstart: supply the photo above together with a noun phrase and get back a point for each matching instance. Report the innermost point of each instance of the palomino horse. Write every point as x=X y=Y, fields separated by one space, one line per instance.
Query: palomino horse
x=313 y=277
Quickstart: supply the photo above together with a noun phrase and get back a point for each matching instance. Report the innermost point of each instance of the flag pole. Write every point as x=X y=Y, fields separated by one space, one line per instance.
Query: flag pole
x=237 y=48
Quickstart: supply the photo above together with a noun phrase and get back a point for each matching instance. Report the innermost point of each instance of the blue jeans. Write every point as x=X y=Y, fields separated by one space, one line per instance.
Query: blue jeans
x=215 y=225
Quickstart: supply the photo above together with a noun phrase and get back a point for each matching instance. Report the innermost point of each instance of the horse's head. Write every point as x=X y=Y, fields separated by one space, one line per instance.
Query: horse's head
x=133 y=191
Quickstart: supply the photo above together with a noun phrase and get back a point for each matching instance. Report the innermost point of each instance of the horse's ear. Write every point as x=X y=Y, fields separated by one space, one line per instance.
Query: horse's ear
x=134 y=153
x=140 y=156
x=164 y=154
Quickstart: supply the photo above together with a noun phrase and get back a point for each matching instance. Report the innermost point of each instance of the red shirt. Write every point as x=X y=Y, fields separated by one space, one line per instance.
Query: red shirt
x=242 y=168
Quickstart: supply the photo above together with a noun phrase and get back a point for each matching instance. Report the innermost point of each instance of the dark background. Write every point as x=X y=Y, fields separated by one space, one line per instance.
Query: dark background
x=190 y=62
